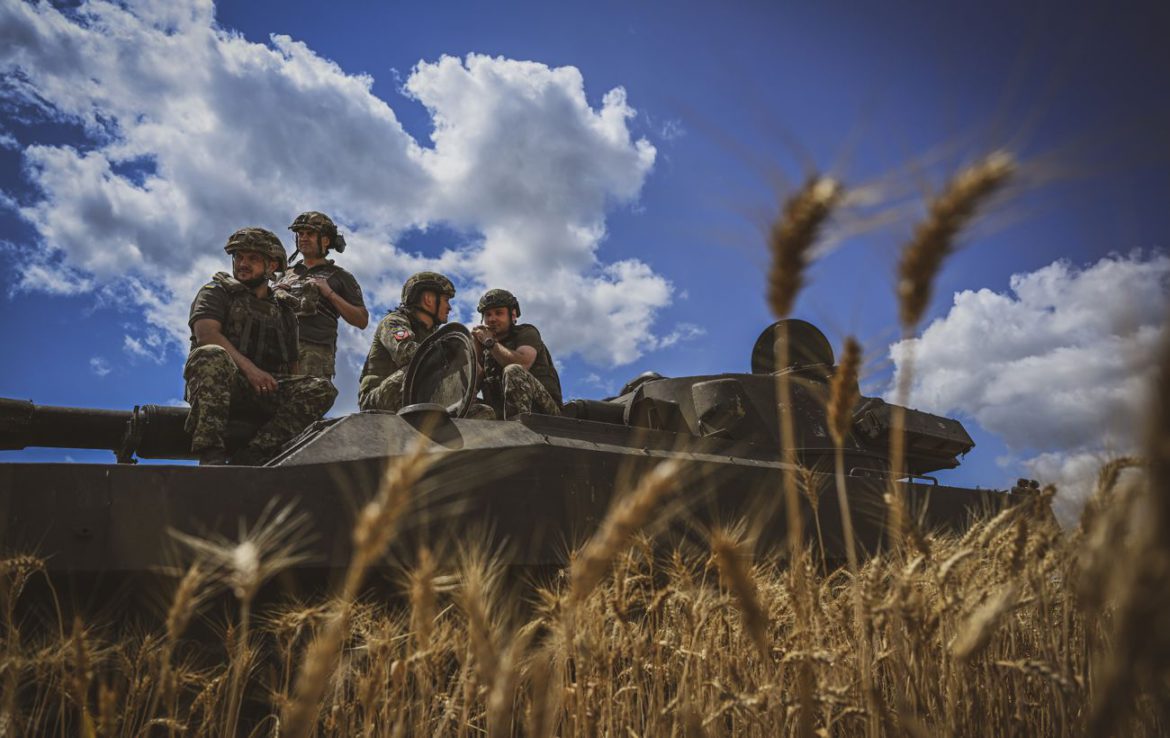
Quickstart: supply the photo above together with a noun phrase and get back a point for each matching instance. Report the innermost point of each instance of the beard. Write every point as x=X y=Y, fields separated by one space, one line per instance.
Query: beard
x=254 y=282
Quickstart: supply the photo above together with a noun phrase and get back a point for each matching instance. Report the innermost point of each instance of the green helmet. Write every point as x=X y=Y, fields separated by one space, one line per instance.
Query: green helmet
x=498 y=298
x=318 y=222
x=260 y=240
x=416 y=284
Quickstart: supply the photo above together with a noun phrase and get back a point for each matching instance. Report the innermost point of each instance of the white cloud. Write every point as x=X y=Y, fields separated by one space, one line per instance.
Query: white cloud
x=99 y=366
x=1059 y=367
x=152 y=346
x=199 y=132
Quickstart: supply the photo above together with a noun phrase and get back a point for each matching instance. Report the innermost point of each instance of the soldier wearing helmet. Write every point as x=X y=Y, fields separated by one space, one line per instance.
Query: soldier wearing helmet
x=426 y=302
x=519 y=375
x=324 y=292
x=243 y=359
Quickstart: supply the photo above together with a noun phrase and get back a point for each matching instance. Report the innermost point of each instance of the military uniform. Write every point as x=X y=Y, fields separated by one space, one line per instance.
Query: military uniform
x=317 y=315
x=265 y=331
x=395 y=343
x=512 y=389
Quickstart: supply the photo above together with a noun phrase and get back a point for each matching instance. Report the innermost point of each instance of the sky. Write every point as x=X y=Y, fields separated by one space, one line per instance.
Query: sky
x=616 y=166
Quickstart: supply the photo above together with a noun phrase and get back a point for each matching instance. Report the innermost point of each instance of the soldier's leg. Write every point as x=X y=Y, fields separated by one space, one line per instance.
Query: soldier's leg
x=523 y=393
x=210 y=374
x=385 y=396
x=480 y=411
x=316 y=360
x=299 y=401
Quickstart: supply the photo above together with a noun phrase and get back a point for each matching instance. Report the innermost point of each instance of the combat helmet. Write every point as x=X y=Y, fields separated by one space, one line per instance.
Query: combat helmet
x=498 y=298
x=420 y=282
x=260 y=240
x=318 y=222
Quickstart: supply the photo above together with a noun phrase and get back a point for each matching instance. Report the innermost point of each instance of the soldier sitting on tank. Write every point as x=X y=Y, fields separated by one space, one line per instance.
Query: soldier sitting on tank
x=244 y=357
x=324 y=292
x=519 y=376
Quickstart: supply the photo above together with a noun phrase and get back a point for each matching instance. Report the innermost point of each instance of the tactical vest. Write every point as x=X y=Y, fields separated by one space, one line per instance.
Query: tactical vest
x=308 y=296
x=263 y=330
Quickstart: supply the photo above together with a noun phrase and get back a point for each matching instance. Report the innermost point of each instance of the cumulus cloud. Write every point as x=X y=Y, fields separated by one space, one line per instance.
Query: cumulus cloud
x=1059 y=367
x=201 y=131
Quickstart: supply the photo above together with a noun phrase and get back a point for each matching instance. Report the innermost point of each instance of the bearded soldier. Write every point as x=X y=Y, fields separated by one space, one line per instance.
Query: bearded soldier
x=519 y=376
x=324 y=292
x=244 y=357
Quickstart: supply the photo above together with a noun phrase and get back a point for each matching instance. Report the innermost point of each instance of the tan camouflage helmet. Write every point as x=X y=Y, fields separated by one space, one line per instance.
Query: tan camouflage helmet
x=311 y=220
x=418 y=283
x=498 y=298
x=260 y=240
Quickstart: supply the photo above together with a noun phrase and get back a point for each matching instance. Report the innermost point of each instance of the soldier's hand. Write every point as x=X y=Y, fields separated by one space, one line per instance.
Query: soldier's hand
x=282 y=286
x=263 y=383
x=480 y=332
x=322 y=286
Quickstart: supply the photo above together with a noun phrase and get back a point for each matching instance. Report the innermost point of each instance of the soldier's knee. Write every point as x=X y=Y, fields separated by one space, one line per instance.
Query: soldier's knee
x=210 y=358
x=511 y=371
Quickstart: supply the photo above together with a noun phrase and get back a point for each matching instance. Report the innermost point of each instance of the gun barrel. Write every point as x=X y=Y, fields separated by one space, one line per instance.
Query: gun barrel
x=150 y=431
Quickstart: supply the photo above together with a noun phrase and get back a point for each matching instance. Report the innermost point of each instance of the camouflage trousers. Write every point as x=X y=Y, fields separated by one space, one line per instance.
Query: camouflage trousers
x=384 y=395
x=217 y=390
x=316 y=360
x=523 y=393
x=387 y=395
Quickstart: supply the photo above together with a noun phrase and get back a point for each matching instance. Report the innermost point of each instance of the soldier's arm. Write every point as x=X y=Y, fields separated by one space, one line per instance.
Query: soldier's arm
x=355 y=315
x=209 y=332
x=523 y=355
x=399 y=341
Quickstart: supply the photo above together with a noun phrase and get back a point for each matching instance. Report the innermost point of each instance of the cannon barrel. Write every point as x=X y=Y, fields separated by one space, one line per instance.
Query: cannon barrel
x=147 y=431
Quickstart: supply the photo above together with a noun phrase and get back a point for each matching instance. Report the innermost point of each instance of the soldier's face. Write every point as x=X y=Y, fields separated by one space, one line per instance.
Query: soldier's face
x=444 y=308
x=248 y=265
x=499 y=319
x=311 y=244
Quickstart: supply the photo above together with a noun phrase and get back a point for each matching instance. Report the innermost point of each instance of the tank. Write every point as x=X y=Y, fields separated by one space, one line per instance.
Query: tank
x=529 y=487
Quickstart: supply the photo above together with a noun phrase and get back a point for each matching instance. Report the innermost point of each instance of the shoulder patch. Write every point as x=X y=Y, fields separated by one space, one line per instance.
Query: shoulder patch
x=402 y=334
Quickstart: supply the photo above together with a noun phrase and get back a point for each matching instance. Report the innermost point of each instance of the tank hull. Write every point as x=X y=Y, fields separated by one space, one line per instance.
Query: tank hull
x=531 y=489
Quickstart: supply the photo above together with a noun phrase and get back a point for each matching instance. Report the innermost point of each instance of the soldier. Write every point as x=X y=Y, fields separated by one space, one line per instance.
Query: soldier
x=426 y=302
x=244 y=355
x=519 y=376
x=325 y=292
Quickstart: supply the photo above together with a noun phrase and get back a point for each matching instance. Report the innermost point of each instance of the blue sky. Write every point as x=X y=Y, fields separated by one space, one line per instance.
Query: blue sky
x=660 y=192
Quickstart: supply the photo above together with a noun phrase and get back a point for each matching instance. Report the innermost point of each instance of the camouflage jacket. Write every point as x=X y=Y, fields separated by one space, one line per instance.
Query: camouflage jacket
x=264 y=330
x=395 y=343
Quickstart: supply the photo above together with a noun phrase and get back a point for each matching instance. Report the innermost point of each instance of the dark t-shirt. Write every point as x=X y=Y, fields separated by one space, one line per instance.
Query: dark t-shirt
x=319 y=322
x=542 y=368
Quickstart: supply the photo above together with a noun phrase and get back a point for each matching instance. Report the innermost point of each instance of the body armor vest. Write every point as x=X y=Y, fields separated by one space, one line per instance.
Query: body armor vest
x=308 y=296
x=263 y=330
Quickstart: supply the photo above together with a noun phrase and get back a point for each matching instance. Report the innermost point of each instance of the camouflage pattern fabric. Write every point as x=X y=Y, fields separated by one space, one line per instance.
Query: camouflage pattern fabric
x=523 y=393
x=217 y=389
x=395 y=342
x=316 y=360
x=480 y=411
x=385 y=395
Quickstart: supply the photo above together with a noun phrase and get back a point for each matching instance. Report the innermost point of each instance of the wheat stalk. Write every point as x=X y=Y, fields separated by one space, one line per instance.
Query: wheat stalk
x=934 y=238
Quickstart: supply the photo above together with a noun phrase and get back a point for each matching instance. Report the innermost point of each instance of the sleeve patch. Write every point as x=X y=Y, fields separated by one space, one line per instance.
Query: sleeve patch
x=401 y=334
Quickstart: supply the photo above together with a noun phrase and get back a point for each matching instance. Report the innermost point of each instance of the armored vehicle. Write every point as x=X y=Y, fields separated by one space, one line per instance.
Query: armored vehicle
x=531 y=486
